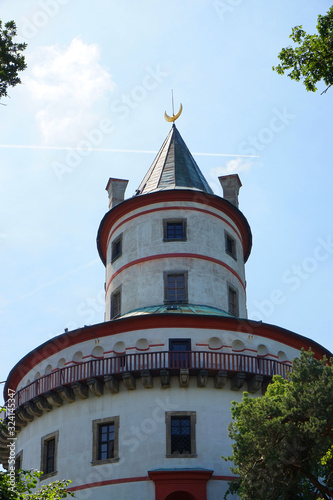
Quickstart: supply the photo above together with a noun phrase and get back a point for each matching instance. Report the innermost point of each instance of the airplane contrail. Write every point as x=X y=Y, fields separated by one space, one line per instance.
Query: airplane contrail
x=108 y=150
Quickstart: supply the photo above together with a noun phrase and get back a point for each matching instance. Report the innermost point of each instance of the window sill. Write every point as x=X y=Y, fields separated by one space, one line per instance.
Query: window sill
x=174 y=239
x=49 y=474
x=231 y=255
x=106 y=461
x=181 y=455
x=116 y=258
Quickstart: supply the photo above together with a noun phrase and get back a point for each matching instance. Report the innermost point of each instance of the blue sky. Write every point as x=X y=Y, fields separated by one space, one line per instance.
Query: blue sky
x=100 y=77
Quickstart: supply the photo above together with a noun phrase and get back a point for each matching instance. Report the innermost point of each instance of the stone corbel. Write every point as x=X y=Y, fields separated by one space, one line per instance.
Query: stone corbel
x=129 y=381
x=147 y=379
x=112 y=383
x=237 y=381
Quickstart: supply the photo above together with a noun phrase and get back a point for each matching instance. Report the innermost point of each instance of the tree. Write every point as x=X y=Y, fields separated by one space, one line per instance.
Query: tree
x=283 y=442
x=18 y=484
x=312 y=61
x=25 y=482
x=11 y=59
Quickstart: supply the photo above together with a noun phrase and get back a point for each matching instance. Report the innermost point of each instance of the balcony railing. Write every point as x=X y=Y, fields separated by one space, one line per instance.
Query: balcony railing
x=154 y=362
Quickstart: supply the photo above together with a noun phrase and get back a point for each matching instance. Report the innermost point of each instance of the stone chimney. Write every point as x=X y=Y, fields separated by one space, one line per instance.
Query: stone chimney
x=116 y=189
x=230 y=185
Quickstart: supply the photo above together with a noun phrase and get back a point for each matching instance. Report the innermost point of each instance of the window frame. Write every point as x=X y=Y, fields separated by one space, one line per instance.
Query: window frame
x=230 y=239
x=166 y=275
x=234 y=310
x=181 y=221
x=96 y=424
x=114 y=294
x=45 y=440
x=116 y=255
x=193 y=420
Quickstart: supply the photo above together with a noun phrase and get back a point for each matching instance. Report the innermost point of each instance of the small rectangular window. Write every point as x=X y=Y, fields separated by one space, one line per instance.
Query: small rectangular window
x=180 y=434
x=116 y=248
x=174 y=229
x=49 y=454
x=116 y=303
x=230 y=245
x=175 y=287
x=233 y=301
x=105 y=440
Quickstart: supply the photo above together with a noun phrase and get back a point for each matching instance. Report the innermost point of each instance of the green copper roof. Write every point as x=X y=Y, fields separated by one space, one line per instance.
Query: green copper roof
x=177 y=309
x=173 y=167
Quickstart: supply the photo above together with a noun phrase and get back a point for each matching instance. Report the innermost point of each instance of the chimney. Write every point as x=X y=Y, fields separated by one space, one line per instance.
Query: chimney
x=116 y=189
x=230 y=185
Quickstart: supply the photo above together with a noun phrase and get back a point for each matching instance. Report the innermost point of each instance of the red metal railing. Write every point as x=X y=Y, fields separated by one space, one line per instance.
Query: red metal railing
x=153 y=361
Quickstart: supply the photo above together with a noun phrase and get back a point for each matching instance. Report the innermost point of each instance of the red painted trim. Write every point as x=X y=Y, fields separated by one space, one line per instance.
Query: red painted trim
x=174 y=195
x=108 y=482
x=174 y=207
x=157 y=321
x=134 y=480
x=173 y=255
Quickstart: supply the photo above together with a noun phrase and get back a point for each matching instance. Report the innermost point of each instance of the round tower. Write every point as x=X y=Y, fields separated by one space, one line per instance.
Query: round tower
x=174 y=245
x=137 y=407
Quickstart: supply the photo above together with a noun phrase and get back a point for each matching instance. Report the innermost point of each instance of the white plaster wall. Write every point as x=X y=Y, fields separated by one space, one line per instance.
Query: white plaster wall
x=143 y=237
x=142 y=436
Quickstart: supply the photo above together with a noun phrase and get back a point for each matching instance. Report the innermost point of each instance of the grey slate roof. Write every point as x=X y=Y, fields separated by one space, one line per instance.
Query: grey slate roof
x=174 y=167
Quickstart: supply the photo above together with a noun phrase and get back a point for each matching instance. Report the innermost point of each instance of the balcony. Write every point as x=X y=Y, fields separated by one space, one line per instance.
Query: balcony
x=130 y=367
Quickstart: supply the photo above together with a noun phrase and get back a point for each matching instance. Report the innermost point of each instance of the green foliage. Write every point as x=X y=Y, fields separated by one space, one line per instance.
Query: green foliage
x=312 y=61
x=11 y=59
x=25 y=482
x=283 y=442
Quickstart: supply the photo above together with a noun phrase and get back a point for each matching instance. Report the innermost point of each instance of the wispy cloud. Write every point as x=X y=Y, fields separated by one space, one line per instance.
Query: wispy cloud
x=232 y=167
x=67 y=87
x=112 y=150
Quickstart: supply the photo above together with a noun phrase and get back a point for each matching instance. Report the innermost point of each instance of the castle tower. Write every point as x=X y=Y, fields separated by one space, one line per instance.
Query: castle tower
x=137 y=407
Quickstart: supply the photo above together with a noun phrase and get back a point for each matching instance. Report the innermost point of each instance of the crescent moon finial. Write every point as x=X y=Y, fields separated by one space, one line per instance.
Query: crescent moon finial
x=173 y=118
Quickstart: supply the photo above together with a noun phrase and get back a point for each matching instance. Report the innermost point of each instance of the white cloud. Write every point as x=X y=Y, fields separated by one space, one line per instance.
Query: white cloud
x=67 y=87
x=232 y=167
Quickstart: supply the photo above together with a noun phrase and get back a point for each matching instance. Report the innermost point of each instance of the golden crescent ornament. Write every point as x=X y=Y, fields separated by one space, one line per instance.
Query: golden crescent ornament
x=173 y=118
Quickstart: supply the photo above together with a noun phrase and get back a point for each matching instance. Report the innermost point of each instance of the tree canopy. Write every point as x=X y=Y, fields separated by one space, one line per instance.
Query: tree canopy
x=12 y=60
x=312 y=61
x=283 y=442
x=26 y=482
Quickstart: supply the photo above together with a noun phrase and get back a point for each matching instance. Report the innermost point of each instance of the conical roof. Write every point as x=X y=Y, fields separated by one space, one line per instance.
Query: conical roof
x=174 y=167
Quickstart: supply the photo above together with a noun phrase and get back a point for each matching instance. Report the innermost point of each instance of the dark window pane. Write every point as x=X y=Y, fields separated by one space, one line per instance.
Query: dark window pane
x=49 y=456
x=175 y=231
x=233 y=302
x=105 y=441
x=180 y=435
x=176 y=287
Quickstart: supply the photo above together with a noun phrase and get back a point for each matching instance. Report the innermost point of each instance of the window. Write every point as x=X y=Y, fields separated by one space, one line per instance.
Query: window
x=180 y=356
x=175 y=287
x=116 y=303
x=230 y=245
x=49 y=454
x=232 y=301
x=180 y=434
x=116 y=248
x=174 y=229
x=18 y=461
x=105 y=440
